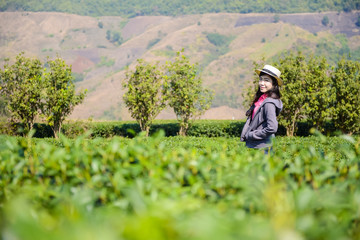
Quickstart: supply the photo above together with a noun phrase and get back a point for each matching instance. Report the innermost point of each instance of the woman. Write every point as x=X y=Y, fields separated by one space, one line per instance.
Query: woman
x=261 y=124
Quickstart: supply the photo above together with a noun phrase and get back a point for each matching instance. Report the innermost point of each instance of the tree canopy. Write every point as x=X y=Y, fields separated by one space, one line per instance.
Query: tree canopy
x=21 y=86
x=134 y=8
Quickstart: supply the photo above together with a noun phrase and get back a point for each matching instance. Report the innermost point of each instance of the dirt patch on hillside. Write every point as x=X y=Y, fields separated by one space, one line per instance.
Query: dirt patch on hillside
x=81 y=64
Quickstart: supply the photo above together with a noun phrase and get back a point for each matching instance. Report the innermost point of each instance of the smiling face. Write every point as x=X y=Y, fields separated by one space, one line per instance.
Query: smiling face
x=265 y=83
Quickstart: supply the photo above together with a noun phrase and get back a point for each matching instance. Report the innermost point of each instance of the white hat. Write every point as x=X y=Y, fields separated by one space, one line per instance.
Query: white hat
x=272 y=71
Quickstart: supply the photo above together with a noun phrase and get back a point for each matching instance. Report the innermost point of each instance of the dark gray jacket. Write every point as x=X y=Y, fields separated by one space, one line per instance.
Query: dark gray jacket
x=257 y=132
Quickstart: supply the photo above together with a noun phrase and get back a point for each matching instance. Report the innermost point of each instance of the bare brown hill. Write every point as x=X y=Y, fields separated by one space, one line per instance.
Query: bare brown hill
x=87 y=44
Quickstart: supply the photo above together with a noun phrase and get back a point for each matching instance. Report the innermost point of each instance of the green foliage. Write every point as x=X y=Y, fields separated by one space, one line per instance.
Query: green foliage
x=218 y=39
x=114 y=37
x=318 y=92
x=145 y=93
x=100 y=24
x=221 y=42
x=215 y=128
x=105 y=62
x=130 y=129
x=325 y=20
x=346 y=84
x=60 y=96
x=29 y=89
x=334 y=50
x=187 y=96
x=176 y=7
x=293 y=75
x=312 y=90
x=21 y=87
x=149 y=91
x=179 y=188
x=3 y=111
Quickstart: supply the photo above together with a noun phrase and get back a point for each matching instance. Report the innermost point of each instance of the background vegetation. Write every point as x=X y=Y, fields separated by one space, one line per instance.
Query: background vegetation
x=312 y=92
x=179 y=188
x=176 y=7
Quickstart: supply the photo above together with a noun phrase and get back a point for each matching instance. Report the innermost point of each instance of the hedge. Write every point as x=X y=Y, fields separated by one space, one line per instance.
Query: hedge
x=206 y=128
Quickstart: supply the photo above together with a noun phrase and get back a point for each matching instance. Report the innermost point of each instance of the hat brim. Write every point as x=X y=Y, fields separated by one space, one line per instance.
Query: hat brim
x=279 y=80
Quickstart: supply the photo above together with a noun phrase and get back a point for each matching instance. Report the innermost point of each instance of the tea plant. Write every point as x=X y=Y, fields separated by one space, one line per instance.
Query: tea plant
x=179 y=188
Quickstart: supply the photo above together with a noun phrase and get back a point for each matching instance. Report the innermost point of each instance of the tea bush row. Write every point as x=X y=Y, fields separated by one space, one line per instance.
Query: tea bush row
x=179 y=188
x=204 y=128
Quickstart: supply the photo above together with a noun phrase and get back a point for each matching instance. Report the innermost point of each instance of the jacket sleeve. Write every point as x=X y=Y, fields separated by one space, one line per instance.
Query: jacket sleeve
x=271 y=124
x=245 y=130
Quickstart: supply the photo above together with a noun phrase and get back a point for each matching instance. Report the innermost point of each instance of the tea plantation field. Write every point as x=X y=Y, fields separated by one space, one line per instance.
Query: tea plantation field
x=179 y=188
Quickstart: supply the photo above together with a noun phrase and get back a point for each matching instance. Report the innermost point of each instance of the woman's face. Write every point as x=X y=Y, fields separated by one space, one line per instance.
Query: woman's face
x=265 y=83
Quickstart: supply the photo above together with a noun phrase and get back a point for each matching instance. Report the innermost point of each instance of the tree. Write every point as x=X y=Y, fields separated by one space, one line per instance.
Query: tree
x=293 y=73
x=145 y=96
x=108 y=35
x=346 y=82
x=186 y=95
x=319 y=93
x=325 y=20
x=21 y=86
x=114 y=37
x=276 y=18
x=117 y=38
x=60 y=96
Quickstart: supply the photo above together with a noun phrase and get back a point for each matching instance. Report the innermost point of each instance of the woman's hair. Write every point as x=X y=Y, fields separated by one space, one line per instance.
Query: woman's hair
x=274 y=92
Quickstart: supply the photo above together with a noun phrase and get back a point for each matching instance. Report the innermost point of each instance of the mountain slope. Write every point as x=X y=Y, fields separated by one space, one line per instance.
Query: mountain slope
x=224 y=45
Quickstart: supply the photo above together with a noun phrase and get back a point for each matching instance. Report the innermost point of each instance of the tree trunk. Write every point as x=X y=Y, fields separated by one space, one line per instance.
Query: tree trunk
x=184 y=126
x=147 y=130
x=56 y=130
x=182 y=131
x=144 y=128
x=290 y=130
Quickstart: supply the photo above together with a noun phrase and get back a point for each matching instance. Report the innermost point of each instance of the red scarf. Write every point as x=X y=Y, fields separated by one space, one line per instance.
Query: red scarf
x=258 y=103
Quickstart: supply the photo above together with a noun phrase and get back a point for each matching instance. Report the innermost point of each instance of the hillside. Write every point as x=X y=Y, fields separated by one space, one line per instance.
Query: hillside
x=99 y=49
x=129 y=9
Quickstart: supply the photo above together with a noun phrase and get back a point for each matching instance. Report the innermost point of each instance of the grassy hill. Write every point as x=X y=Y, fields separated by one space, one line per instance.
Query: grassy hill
x=224 y=44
